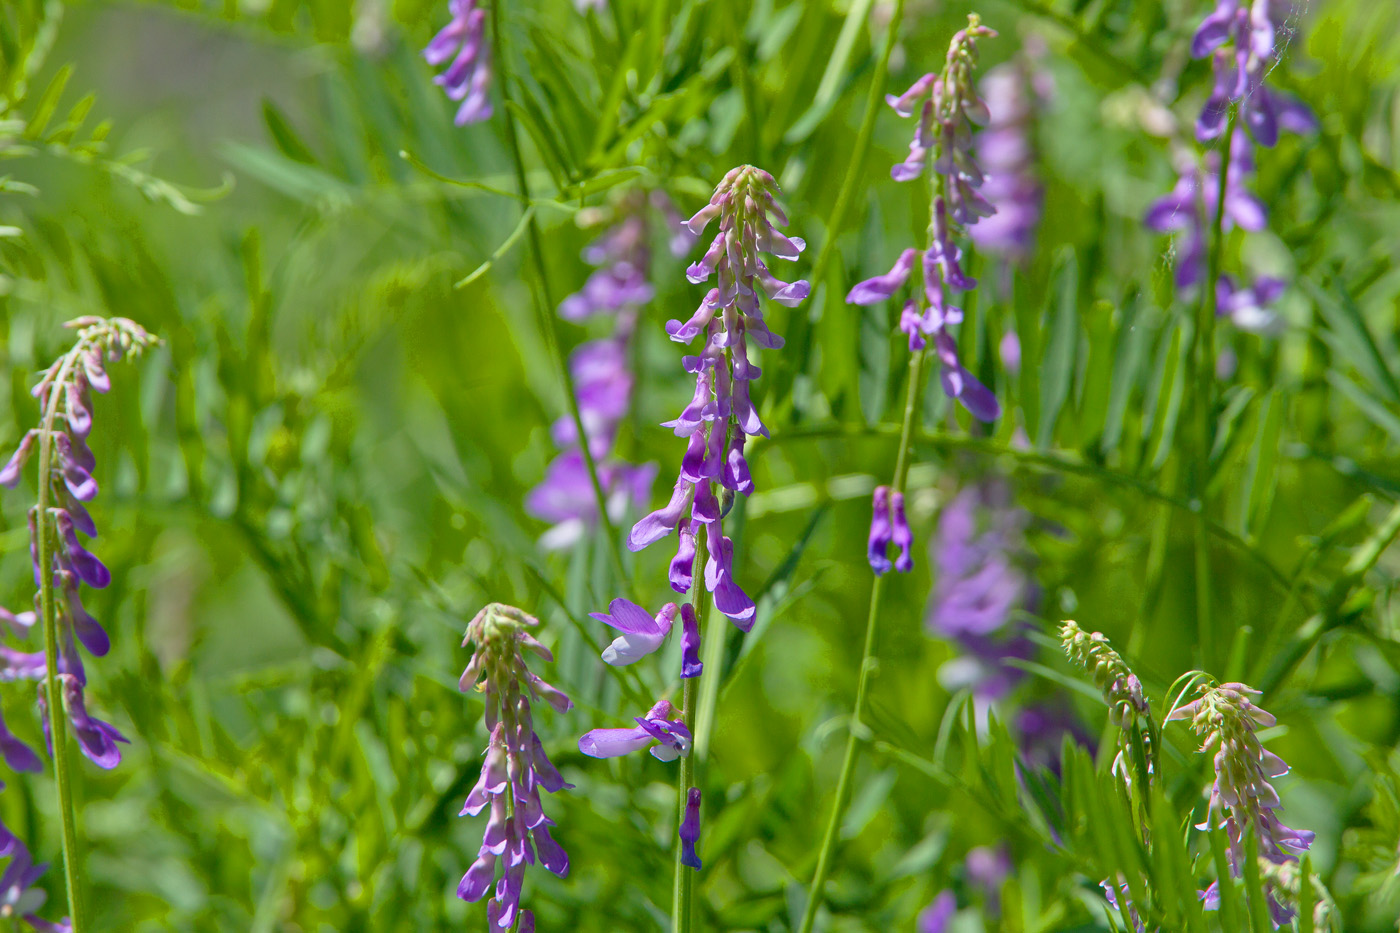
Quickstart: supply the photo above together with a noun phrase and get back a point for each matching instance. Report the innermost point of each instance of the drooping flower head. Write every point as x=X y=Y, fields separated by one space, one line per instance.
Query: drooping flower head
x=516 y=767
x=1241 y=799
x=468 y=78
x=721 y=414
x=1122 y=690
x=65 y=392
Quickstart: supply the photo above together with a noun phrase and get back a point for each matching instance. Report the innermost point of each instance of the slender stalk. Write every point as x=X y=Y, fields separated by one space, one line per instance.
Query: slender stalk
x=1203 y=336
x=58 y=719
x=683 y=889
x=868 y=664
x=544 y=300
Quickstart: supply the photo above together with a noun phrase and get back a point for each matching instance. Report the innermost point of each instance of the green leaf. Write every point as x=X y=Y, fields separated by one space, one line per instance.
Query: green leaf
x=1168 y=404
x=1351 y=338
x=47 y=104
x=1375 y=410
x=284 y=136
x=1057 y=369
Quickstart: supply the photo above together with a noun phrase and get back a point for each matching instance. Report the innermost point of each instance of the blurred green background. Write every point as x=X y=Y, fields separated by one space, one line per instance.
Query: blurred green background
x=319 y=478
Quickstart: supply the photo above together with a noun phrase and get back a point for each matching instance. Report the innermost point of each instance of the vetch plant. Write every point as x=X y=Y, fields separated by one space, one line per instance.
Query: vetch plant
x=515 y=768
x=61 y=565
x=1242 y=800
x=948 y=106
x=717 y=423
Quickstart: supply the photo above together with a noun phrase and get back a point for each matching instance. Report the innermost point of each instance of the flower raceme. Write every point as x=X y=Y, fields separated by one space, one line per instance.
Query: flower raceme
x=948 y=108
x=64 y=392
x=1241 y=799
x=515 y=768
x=603 y=381
x=721 y=414
x=468 y=77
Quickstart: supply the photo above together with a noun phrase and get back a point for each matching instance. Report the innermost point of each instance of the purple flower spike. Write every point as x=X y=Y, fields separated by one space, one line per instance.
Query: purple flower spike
x=641 y=634
x=937 y=917
x=902 y=537
x=690 y=829
x=881 y=531
x=690 y=642
x=517 y=830
x=468 y=77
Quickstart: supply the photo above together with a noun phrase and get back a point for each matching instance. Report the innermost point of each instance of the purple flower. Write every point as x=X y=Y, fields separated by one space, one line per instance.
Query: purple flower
x=902 y=537
x=641 y=634
x=1191 y=207
x=1006 y=150
x=1239 y=71
x=1246 y=306
x=1111 y=893
x=657 y=726
x=881 y=531
x=18 y=755
x=515 y=768
x=690 y=642
x=937 y=917
x=65 y=389
x=977 y=589
x=1241 y=799
x=468 y=77
x=18 y=896
x=949 y=110
x=881 y=287
x=721 y=413
x=690 y=829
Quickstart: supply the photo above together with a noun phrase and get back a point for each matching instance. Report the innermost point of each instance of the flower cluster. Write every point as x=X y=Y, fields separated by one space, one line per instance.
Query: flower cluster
x=1122 y=690
x=64 y=392
x=1254 y=31
x=1013 y=92
x=602 y=377
x=1242 y=799
x=717 y=423
x=468 y=78
x=1244 y=42
x=950 y=106
x=721 y=415
x=516 y=767
x=979 y=587
x=18 y=896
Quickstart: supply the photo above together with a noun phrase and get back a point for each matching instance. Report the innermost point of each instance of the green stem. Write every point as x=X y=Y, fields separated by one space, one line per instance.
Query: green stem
x=1203 y=336
x=544 y=301
x=683 y=889
x=868 y=664
x=58 y=720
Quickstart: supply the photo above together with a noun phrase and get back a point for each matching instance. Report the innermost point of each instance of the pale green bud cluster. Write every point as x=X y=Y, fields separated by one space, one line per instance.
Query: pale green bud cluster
x=1121 y=688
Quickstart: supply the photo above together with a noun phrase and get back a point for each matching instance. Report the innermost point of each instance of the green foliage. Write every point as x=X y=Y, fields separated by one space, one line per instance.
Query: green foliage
x=320 y=478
